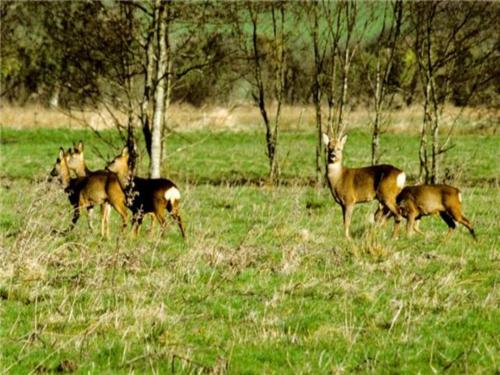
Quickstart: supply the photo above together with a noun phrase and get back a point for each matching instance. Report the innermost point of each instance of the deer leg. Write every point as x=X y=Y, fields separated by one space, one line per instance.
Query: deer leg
x=153 y=222
x=122 y=210
x=78 y=205
x=449 y=221
x=105 y=211
x=458 y=217
x=177 y=217
x=118 y=200
x=347 y=214
x=381 y=215
x=90 y=211
x=416 y=227
x=392 y=207
x=160 y=215
x=136 y=223
x=465 y=222
x=410 y=224
x=76 y=216
x=395 y=231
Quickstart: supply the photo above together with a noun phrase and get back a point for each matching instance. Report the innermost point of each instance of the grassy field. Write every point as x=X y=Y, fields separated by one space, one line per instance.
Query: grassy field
x=265 y=283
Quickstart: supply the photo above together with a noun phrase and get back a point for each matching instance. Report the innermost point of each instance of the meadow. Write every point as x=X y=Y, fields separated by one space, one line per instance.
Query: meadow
x=266 y=281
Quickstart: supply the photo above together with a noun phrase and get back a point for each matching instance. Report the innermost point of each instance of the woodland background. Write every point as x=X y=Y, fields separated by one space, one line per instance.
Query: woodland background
x=133 y=63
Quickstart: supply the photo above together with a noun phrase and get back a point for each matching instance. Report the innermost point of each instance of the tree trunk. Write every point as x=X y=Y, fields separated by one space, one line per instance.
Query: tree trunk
x=271 y=137
x=279 y=81
x=422 y=152
x=168 y=92
x=435 y=136
x=148 y=84
x=316 y=93
x=376 y=122
x=54 y=98
x=343 y=93
x=159 y=92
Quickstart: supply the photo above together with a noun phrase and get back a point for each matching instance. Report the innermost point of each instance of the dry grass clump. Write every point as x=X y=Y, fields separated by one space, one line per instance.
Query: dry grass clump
x=84 y=288
x=264 y=283
x=245 y=116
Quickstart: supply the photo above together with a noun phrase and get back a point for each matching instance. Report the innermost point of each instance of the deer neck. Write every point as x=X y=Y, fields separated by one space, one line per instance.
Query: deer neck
x=124 y=177
x=65 y=175
x=82 y=171
x=334 y=172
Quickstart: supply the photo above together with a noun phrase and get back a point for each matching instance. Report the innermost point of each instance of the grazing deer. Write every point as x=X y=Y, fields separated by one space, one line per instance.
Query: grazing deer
x=101 y=188
x=147 y=195
x=424 y=200
x=356 y=185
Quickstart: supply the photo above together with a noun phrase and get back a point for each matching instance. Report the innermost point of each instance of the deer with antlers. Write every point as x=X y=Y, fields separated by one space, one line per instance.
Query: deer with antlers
x=350 y=186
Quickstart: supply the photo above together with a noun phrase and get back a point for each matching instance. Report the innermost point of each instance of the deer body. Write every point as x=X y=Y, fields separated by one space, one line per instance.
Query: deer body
x=101 y=188
x=418 y=201
x=147 y=195
x=350 y=186
x=357 y=185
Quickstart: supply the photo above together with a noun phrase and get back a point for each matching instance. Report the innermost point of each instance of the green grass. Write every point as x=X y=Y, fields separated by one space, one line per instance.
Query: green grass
x=266 y=282
x=234 y=158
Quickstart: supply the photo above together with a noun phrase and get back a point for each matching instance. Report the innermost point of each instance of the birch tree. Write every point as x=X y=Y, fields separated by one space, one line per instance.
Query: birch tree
x=442 y=34
x=159 y=94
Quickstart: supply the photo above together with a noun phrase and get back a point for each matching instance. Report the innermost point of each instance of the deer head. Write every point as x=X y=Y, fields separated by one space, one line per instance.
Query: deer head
x=119 y=165
x=61 y=169
x=334 y=148
x=76 y=160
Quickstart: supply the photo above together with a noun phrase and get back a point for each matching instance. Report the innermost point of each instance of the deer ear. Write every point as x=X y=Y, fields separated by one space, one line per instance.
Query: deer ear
x=343 y=140
x=125 y=151
x=326 y=140
x=79 y=146
x=61 y=153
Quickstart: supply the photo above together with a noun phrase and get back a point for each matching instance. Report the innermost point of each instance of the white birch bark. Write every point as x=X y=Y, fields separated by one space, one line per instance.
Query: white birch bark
x=159 y=98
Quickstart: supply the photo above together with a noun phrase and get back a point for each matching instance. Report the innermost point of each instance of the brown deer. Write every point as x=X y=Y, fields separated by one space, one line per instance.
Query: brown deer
x=350 y=186
x=101 y=188
x=418 y=201
x=146 y=195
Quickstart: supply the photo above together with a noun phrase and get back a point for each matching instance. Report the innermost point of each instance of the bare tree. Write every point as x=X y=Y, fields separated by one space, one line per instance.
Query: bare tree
x=266 y=59
x=443 y=34
x=347 y=31
x=386 y=45
x=140 y=72
x=320 y=43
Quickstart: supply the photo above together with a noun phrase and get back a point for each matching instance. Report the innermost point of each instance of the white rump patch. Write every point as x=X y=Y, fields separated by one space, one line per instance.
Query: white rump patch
x=459 y=197
x=172 y=194
x=401 y=179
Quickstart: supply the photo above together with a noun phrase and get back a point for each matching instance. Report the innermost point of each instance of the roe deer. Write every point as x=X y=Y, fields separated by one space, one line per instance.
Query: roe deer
x=356 y=185
x=147 y=195
x=101 y=188
x=423 y=200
